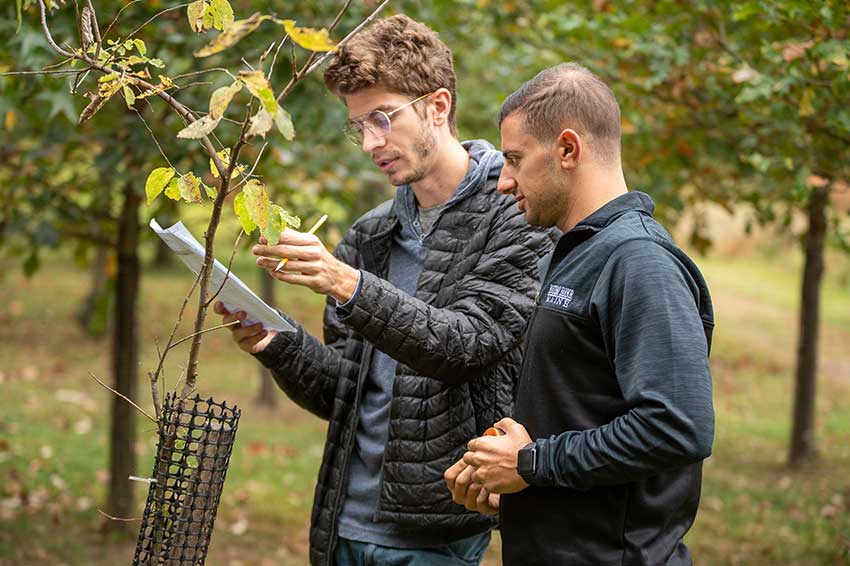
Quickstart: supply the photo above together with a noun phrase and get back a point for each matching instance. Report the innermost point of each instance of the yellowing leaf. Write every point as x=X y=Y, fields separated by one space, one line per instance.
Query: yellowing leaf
x=261 y=123
x=156 y=182
x=232 y=35
x=199 y=128
x=221 y=98
x=212 y=192
x=190 y=188
x=289 y=219
x=224 y=156
x=257 y=202
x=222 y=14
x=172 y=191
x=242 y=212
x=10 y=120
x=283 y=121
x=309 y=38
x=98 y=101
x=195 y=12
x=260 y=87
x=274 y=225
x=164 y=83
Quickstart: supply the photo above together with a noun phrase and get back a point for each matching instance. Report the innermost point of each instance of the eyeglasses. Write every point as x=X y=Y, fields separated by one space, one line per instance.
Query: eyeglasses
x=378 y=122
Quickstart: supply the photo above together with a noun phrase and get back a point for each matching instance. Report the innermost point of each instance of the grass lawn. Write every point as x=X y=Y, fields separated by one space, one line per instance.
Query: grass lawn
x=53 y=425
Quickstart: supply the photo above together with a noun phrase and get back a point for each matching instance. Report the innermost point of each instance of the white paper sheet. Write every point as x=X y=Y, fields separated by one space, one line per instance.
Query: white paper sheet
x=235 y=295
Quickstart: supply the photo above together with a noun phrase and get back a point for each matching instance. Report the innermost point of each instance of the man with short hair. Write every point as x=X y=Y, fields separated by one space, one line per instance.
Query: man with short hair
x=428 y=298
x=601 y=463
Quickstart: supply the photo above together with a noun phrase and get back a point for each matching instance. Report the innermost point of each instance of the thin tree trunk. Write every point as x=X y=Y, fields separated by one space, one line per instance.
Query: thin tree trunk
x=124 y=362
x=803 y=440
x=267 y=395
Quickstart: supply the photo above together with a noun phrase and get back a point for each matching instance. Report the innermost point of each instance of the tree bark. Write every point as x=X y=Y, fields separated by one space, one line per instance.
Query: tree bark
x=803 y=440
x=267 y=394
x=122 y=453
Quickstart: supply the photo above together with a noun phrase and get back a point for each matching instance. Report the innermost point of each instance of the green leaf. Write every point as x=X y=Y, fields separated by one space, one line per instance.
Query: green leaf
x=129 y=97
x=261 y=123
x=242 y=212
x=290 y=220
x=212 y=192
x=283 y=121
x=190 y=188
x=20 y=19
x=199 y=128
x=260 y=87
x=156 y=182
x=221 y=98
x=172 y=190
x=222 y=14
x=309 y=38
x=140 y=47
x=257 y=202
x=274 y=225
x=232 y=35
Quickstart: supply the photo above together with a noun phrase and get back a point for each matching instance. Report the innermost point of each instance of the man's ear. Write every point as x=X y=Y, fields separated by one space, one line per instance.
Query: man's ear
x=442 y=100
x=570 y=149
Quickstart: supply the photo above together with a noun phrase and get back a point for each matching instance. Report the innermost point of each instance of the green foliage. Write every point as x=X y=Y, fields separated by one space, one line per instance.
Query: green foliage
x=157 y=181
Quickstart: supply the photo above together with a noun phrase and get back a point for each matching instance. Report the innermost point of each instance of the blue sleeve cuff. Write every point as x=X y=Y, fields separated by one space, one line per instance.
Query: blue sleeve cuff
x=344 y=309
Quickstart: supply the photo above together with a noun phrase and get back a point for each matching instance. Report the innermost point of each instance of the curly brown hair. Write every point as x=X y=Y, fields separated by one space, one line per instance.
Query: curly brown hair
x=396 y=53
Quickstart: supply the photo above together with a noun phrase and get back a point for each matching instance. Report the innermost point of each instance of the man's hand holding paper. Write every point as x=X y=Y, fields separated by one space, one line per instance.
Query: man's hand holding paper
x=252 y=338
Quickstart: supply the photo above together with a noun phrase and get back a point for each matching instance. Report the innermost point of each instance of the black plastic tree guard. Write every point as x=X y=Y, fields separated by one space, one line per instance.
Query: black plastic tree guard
x=195 y=442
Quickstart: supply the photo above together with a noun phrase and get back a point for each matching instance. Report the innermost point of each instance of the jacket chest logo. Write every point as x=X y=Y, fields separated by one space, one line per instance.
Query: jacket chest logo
x=559 y=296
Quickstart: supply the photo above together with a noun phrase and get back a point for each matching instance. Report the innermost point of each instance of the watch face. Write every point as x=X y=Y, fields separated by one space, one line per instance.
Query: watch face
x=526 y=463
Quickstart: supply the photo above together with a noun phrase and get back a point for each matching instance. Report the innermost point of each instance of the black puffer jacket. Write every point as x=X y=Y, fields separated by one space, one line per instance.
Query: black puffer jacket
x=458 y=347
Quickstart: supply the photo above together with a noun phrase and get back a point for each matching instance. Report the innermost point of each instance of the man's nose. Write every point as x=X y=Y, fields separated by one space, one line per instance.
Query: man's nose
x=506 y=184
x=372 y=141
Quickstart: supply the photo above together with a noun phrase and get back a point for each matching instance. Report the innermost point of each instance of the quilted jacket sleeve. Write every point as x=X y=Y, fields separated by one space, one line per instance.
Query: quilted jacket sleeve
x=306 y=369
x=487 y=313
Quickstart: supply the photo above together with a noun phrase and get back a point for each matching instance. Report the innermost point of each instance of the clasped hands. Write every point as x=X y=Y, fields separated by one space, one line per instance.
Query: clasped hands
x=488 y=469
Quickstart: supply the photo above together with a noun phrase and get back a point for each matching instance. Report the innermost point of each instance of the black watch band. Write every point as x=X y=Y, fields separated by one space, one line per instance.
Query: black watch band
x=526 y=462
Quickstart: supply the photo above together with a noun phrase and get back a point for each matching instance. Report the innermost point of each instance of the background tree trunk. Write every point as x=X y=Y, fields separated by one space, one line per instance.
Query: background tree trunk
x=164 y=257
x=267 y=394
x=124 y=364
x=803 y=440
x=94 y=310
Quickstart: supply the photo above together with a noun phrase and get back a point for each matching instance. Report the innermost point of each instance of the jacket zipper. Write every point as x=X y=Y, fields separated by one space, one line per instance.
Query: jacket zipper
x=365 y=363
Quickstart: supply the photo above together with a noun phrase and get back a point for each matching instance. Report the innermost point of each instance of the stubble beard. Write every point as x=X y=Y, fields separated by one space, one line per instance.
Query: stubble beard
x=423 y=148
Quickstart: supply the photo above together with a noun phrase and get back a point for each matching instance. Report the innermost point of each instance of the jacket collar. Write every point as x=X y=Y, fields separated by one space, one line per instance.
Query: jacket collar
x=610 y=211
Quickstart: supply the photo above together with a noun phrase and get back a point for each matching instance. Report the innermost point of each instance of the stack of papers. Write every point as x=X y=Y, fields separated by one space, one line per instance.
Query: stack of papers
x=235 y=295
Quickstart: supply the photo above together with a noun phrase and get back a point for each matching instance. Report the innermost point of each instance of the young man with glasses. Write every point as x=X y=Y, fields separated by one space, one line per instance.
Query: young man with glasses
x=428 y=298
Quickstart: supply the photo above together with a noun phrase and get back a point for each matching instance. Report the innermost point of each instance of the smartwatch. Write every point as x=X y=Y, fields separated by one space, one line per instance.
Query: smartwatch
x=526 y=462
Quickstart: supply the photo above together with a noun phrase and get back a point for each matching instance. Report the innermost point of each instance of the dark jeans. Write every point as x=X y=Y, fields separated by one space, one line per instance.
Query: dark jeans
x=464 y=552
